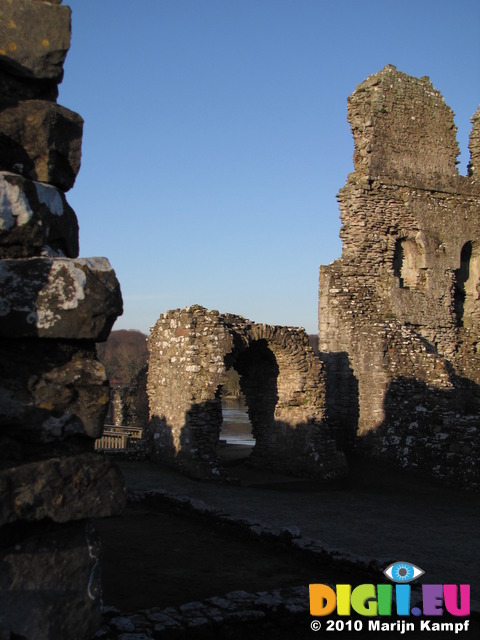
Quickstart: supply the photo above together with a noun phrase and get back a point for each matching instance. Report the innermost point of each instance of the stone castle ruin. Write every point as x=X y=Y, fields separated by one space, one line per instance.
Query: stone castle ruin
x=399 y=312
x=281 y=378
x=54 y=307
x=399 y=318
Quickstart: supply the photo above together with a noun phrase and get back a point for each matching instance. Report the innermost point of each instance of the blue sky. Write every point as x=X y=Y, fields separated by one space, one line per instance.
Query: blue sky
x=216 y=138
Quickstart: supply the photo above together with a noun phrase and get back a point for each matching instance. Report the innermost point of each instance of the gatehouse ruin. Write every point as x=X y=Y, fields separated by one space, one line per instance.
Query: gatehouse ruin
x=282 y=380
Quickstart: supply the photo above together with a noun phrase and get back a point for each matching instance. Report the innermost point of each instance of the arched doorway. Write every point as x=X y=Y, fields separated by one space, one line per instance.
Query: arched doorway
x=248 y=419
x=236 y=437
x=236 y=426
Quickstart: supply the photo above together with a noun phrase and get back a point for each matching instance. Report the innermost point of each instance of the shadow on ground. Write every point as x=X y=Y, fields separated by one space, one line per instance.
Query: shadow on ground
x=156 y=556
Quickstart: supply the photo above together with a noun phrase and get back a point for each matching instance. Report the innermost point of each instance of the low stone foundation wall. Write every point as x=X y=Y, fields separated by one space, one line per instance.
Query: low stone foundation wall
x=280 y=613
x=236 y=615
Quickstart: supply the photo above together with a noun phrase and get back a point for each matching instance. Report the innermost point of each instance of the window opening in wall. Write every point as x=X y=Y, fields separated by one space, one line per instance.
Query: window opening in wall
x=398 y=258
x=462 y=280
x=408 y=263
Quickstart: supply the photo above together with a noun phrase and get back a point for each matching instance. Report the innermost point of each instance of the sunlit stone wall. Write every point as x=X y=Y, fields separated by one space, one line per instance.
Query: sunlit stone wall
x=190 y=351
x=399 y=312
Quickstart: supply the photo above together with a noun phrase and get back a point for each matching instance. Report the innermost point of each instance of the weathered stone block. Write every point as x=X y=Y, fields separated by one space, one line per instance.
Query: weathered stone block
x=27 y=88
x=35 y=219
x=41 y=140
x=53 y=390
x=34 y=38
x=58 y=298
x=50 y=581
x=52 y=394
x=61 y=489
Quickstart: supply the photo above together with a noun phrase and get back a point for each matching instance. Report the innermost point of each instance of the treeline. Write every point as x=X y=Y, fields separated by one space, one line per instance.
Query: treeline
x=125 y=353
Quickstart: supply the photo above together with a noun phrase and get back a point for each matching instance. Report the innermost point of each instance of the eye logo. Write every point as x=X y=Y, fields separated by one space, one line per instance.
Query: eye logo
x=403 y=572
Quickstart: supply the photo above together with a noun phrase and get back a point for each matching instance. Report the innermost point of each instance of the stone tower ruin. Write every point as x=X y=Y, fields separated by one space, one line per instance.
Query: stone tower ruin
x=399 y=312
x=54 y=307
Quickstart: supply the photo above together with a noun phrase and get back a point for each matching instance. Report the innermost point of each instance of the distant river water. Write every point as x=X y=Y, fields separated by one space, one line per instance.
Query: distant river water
x=236 y=427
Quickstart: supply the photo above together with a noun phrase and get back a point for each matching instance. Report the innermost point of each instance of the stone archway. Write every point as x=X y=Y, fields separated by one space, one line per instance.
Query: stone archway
x=258 y=371
x=281 y=378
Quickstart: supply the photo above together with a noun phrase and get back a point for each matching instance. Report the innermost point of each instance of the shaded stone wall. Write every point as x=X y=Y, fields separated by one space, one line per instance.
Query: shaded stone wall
x=54 y=307
x=399 y=313
x=129 y=403
x=282 y=380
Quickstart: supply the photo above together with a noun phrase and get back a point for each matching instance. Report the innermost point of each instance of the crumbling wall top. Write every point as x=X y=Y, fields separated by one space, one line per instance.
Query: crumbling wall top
x=474 y=144
x=401 y=127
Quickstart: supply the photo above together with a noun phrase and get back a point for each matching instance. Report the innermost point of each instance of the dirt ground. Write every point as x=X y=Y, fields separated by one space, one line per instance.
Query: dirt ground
x=169 y=559
x=155 y=556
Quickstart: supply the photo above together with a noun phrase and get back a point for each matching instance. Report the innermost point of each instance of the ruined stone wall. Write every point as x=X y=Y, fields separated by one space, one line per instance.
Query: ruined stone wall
x=399 y=313
x=129 y=403
x=190 y=351
x=54 y=307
